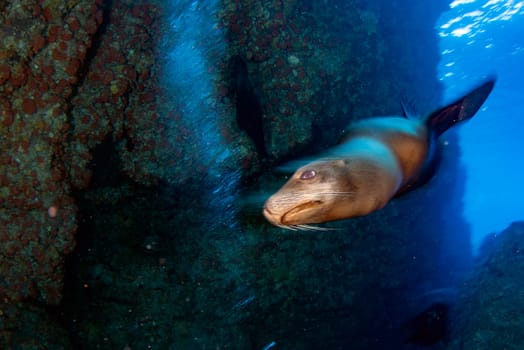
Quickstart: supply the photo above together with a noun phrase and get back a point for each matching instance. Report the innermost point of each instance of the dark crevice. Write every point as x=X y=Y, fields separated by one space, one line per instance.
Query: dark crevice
x=106 y=165
x=106 y=173
x=96 y=41
x=248 y=109
x=91 y=53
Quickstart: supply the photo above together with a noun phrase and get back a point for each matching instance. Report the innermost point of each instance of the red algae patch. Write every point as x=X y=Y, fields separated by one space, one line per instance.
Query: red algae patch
x=38 y=43
x=48 y=70
x=73 y=23
x=29 y=106
x=6 y=114
x=5 y=73
x=72 y=67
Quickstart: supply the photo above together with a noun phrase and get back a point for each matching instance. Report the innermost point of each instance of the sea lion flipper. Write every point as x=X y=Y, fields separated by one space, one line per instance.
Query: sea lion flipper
x=460 y=110
x=440 y=121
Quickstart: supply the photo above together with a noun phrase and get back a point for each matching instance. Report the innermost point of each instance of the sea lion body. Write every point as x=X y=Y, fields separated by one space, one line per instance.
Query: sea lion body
x=378 y=159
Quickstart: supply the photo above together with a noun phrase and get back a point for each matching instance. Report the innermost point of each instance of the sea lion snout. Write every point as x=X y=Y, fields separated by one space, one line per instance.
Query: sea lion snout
x=302 y=199
x=271 y=217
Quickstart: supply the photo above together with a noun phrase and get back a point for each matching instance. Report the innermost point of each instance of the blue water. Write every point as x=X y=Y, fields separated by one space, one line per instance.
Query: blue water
x=480 y=37
x=191 y=50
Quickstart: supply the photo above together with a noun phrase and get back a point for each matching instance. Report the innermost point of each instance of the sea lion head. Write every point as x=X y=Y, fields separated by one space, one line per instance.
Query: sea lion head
x=314 y=194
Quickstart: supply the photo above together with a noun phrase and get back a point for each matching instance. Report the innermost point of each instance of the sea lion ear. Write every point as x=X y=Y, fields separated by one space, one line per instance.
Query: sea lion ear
x=343 y=162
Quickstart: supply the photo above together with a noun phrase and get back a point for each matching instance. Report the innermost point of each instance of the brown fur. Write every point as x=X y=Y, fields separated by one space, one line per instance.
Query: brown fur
x=376 y=163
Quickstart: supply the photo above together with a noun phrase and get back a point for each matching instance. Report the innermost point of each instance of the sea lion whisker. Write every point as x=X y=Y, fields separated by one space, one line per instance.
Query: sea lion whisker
x=337 y=193
x=287 y=227
x=312 y=228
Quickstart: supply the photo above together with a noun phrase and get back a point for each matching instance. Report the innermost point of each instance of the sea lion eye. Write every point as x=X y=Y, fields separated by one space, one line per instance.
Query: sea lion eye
x=308 y=174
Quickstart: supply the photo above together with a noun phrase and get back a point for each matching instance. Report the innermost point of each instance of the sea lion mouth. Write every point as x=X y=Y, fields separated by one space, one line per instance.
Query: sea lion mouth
x=287 y=218
x=280 y=220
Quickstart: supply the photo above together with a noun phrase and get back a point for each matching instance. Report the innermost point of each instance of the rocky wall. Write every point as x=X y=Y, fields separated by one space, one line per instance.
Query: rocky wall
x=487 y=313
x=43 y=46
x=68 y=81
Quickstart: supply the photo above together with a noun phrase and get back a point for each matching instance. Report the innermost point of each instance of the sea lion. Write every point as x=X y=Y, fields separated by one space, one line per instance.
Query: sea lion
x=378 y=159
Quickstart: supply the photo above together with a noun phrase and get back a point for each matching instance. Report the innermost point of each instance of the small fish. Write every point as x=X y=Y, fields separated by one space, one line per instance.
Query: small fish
x=244 y=302
x=269 y=346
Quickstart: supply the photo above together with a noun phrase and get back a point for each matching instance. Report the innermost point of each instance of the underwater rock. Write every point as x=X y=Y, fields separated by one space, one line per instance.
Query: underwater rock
x=40 y=56
x=430 y=326
x=32 y=326
x=489 y=314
